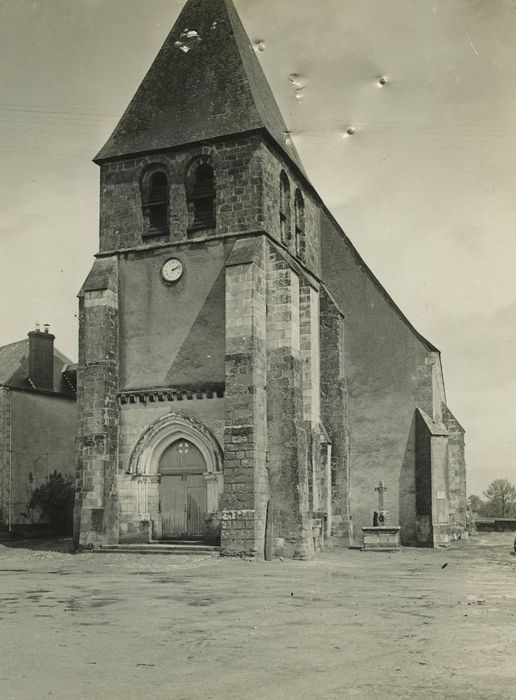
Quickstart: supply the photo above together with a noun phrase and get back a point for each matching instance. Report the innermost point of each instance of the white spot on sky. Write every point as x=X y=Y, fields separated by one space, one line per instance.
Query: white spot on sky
x=473 y=47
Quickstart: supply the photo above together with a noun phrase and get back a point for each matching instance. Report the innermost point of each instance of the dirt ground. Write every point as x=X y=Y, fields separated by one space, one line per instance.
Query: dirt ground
x=347 y=625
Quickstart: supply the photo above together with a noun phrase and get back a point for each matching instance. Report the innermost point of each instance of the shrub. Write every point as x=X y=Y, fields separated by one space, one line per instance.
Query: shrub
x=54 y=498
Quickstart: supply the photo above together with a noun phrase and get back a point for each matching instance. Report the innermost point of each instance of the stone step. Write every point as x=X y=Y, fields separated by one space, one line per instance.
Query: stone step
x=160 y=548
x=191 y=543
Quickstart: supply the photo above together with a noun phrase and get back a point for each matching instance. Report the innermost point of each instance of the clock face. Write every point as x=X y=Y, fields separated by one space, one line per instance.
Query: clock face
x=172 y=270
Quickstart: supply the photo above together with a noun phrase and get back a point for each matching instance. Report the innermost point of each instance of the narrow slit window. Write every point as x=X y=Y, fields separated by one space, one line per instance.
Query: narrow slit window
x=201 y=198
x=284 y=208
x=299 y=204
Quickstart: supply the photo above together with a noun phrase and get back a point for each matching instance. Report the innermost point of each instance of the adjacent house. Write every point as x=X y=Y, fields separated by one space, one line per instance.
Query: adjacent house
x=38 y=422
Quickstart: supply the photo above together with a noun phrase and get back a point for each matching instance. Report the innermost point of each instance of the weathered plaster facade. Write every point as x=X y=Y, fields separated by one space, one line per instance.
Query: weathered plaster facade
x=38 y=424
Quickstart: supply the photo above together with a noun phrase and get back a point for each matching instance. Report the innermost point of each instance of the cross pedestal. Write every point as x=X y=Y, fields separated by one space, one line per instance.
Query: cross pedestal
x=381 y=516
x=382 y=537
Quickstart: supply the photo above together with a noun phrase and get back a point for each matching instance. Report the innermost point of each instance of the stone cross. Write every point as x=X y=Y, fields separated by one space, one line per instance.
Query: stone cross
x=381 y=490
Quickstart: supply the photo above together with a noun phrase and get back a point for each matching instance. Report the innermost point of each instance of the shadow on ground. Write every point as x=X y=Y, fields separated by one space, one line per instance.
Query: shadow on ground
x=51 y=544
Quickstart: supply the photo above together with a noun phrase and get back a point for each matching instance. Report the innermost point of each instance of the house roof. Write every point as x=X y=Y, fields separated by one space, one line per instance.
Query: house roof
x=206 y=82
x=14 y=364
x=11 y=359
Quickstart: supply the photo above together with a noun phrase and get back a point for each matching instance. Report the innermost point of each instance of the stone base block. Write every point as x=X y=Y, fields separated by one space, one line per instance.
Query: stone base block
x=136 y=532
x=441 y=536
x=382 y=538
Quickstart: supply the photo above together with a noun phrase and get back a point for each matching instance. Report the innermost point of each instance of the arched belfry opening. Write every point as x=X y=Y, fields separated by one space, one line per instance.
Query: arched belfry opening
x=178 y=466
x=200 y=195
x=155 y=201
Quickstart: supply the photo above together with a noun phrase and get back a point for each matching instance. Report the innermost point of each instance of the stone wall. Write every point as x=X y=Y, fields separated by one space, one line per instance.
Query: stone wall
x=272 y=166
x=287 y=435
x=173 y=334
x=319 y=472
x=247 y=186
x=273 y=475
x=387 y=377
x=43 y=432
x=334 y=404
x=440 y=516
x=97 y=380
x=246 y=490
x=456 y=470
x=238 y=183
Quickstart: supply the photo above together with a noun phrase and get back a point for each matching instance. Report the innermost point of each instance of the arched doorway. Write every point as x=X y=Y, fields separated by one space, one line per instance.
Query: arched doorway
x=183 y=491
x=177 y=465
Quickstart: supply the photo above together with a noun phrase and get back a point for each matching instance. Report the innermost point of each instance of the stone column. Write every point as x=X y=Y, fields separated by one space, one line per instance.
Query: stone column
x=245 y=437
x=97 y=376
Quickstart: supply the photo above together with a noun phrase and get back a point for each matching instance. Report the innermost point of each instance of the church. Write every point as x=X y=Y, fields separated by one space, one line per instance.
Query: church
x=243 y=377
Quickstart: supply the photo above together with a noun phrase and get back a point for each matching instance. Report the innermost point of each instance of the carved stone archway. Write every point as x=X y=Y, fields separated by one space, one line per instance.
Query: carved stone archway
x=146 y=456
x=161 y=434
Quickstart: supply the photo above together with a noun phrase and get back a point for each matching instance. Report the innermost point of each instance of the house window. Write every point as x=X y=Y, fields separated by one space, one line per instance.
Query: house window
x=284 y=208
x=200 y=190
x=155 y=202
x=299 y=205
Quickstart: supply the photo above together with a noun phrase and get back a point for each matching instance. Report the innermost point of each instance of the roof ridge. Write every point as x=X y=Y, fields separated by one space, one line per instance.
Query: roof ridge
x=15 y=342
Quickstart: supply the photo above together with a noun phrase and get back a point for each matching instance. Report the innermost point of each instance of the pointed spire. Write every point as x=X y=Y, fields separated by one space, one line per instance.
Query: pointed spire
x=206 y=82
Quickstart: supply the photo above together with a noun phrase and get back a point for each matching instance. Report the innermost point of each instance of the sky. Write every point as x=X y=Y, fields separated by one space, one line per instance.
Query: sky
x=424 y=186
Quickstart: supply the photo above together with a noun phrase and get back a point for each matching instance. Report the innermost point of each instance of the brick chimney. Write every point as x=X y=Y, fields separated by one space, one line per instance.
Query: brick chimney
x=41 y=358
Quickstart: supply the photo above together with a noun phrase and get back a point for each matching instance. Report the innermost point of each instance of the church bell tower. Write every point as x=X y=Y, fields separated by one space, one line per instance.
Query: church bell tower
x=198 y=371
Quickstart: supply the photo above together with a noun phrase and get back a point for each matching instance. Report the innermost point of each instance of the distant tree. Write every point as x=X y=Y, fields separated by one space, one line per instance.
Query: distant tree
x=501 y=497
x=54 y=498
x=477 y=505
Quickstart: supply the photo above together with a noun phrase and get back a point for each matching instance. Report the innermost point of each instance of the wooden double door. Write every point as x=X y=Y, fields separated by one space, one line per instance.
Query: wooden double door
x=183 y=494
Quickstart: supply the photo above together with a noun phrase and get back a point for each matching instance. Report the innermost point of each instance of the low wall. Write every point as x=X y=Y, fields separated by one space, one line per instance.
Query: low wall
x=496 y=524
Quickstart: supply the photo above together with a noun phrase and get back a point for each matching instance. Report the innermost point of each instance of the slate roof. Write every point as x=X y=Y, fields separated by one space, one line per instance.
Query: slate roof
x=11 y=360
x=14 y=368
x=206 y=82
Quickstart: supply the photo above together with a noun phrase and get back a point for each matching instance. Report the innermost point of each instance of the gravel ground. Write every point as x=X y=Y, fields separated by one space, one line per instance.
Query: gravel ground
x=347 y=625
